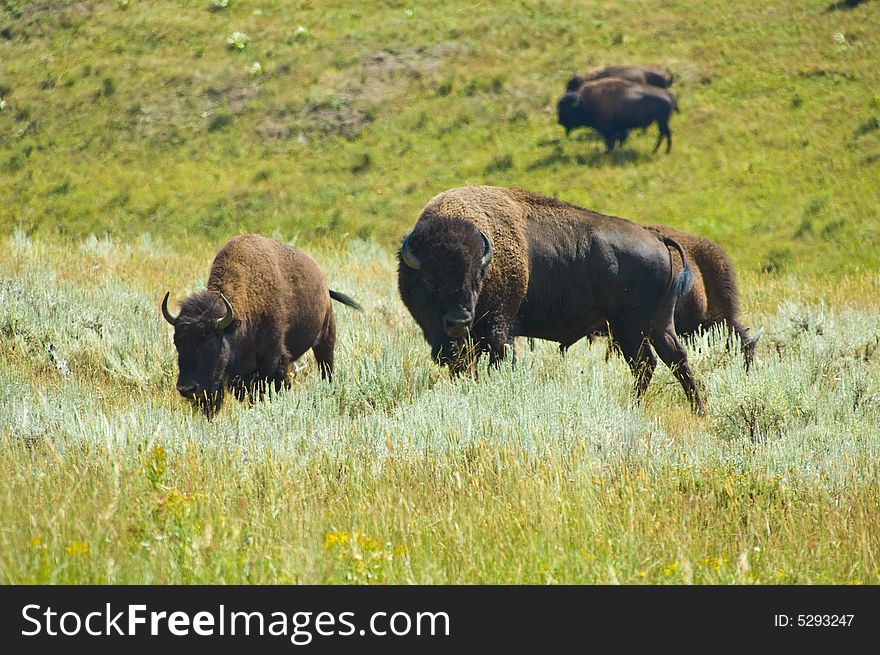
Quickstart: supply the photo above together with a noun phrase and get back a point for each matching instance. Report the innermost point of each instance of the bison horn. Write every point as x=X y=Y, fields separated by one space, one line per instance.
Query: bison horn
x=406 y=254
x=223 y=323
x=168 y=317
x=487 y=250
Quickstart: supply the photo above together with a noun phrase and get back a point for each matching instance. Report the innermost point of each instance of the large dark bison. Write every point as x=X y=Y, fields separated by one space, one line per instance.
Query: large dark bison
x=613 y=106
x=713 y=298
x=265 y=305
x=484 y=265
x=653 y=75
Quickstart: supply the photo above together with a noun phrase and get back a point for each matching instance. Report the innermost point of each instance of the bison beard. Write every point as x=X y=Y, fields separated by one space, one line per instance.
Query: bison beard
x=265 y=305
x=559 y=272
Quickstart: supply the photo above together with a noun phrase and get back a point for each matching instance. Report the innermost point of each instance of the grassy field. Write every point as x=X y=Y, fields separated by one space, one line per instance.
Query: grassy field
x=134 y=140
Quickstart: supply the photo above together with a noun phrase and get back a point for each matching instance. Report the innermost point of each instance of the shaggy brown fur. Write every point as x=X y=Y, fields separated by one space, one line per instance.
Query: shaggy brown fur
x=653 y=75
x=280 y=307
x=557 y=272
x=613 y=106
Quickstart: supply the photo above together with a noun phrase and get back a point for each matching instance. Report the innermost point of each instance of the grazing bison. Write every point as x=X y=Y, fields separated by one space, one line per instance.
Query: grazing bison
x=484 y=265
x=713 y=298
x=652 y=75
x=614 y=106
x=265 y=305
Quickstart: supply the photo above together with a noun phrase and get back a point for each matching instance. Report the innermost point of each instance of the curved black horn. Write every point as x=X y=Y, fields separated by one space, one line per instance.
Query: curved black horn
x=168 y=317
x=223 y=323
x=487 y=250
x=406 y=254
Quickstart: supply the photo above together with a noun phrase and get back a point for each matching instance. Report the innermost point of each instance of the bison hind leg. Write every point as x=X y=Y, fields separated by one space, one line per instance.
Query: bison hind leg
x=610 y=139
x=664 y=132
x=324 y=346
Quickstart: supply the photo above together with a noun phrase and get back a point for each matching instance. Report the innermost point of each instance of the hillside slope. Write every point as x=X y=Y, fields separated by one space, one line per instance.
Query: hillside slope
x=343 y=118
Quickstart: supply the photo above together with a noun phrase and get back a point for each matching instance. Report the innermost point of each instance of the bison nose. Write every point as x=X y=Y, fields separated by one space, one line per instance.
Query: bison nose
x=456 y=324
x=187 y=390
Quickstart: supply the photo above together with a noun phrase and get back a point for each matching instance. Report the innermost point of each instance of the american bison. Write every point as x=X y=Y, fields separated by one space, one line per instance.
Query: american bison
x=713 y=298
x=653 y=75
x=613 y=106
x=265 y=305
x=484 y=265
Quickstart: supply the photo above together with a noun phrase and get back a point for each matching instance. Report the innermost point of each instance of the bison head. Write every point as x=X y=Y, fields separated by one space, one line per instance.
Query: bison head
x=572 y=112
x=443 y=263
x=574 y=83
x=202 y=333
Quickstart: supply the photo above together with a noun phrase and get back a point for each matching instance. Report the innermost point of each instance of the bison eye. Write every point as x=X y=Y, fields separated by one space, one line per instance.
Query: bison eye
x=430 y=285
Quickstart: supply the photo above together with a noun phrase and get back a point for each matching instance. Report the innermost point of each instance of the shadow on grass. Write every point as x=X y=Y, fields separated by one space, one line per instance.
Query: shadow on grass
x=592 y=155
x=579 y=136
x=617 y=157
x=843 y=5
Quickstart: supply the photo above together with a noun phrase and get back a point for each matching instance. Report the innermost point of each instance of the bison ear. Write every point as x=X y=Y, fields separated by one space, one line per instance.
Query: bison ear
x=487 y=250
x=233 y=326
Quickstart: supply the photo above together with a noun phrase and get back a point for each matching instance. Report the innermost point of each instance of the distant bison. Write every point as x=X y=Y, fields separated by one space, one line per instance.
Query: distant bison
x=653 y=75
x=485 y=264
x=265 y=305
x=713 y=298
x=613 y=106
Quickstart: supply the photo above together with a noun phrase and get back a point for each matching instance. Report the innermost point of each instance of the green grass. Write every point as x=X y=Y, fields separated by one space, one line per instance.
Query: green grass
x=134 y=141
x=142 y=118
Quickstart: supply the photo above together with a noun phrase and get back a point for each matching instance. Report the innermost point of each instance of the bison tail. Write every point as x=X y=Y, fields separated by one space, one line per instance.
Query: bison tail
x=675 y=104
x=345 y=300
x=749 y=345
x=685 y=278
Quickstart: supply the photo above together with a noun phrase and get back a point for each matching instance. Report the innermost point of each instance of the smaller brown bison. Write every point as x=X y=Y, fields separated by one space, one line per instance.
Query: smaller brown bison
x=613 y=106
x=653 y=75
x=713 y=298
x=265 y=305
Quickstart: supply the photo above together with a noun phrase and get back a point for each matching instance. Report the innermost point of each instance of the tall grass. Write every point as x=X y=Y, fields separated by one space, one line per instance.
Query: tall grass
x=544 y=472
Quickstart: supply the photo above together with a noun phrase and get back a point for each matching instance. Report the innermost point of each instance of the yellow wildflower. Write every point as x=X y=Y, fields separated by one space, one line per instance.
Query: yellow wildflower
x=77 y=548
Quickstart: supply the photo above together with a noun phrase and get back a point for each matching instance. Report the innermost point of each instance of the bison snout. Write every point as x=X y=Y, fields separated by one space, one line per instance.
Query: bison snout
x=187 y=390
x=457 y=324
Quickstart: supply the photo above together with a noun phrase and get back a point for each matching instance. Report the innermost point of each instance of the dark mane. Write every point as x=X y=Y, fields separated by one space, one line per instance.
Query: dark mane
x=200 y=308
x=457 y=235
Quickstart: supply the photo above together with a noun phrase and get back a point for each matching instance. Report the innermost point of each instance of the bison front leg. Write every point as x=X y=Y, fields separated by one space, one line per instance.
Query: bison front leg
x=635 y=349
x=497 y=340
x=241 y=388
x=610 y=138
x=674 y=356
